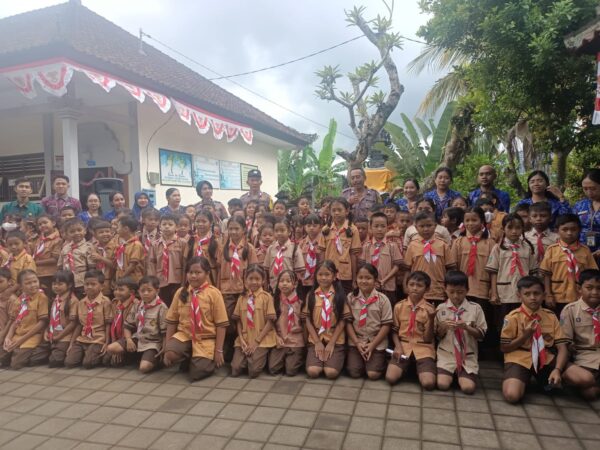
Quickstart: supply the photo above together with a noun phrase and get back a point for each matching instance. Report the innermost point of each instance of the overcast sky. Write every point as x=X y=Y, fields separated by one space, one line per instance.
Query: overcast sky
x=232 y=36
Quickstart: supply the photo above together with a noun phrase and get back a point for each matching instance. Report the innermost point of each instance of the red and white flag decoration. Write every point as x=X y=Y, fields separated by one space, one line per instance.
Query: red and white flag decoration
x=596 y=116
x=54 y=77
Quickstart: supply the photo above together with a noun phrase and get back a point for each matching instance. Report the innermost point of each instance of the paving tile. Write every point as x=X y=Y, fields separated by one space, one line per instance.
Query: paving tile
x=168 y=390
x=472 y=419
x=279 y=447
x=98 y=397
x=439 y=416
x=277 y=400
x=374 y=396
x=412 y=387
x=161 y=420
x=77 y=411
x=307 y=403
x=335 y=422
x=239 y=444
x=207 y=382
x=140 y=438
x=104 y=414
x=178 y=405
x=315 y=390
x=142 y=388
x=220 y=395
x=52 y=426
x=49 y=392
x=402 y=429
x=542 y=411
x=403 y=398
x=288 y=435
x=287 y=387
x=52 y=408
x=440 y=433
x=350 y=382
x=590 y=445
x=236 y=412
x=571 y=401
x=205 y=441
x=551 y=427
x=57 y=444
x=409 y=413
x=24 y=442
x=150 y=402
x=437 y=401
x=472 y=405
x=518 y=441
x=233 y=383
x=299 y=418
x=479 y=438
x=367 y=425
x=24 y=423
x=338 y=406
x=558 y=443
x=25 y=405
x=266 y=414
x=326 y=440
x=586 y=431
x=193 y=392
x=256 y=432
x=173 y=440
x=223 y=427
x=532 y=398
x=580 y=415
x=118 y=385
x=131 y=417
x=81 y=431
x=109 y=434
x=124 y=400
x=404 y=444
x=248 y=398
x=90 y=446
x=343 y=393
x=370 y=409
x=6 y=400
x=75 y=395
x=259 y=385
x=501 y=407
x=516 y=424
x=7 y=435
x=204 y=408
x=361 y=442
x=191 y=424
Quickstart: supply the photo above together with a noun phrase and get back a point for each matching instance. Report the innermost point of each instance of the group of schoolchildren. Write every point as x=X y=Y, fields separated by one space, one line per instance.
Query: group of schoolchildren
x=266 y=291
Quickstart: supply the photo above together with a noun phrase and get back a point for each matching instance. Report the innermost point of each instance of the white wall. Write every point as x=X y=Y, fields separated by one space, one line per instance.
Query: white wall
x=179 y=136
x=21 y=135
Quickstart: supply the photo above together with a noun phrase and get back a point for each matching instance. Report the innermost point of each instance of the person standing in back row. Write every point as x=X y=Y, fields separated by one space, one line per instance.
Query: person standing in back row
x=54 y=203
x=486 y=176
x=360 y=197
x=254 y=181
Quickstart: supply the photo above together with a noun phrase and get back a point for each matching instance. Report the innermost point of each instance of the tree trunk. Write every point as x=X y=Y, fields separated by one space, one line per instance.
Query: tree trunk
x=561 y=167
x=513 y=179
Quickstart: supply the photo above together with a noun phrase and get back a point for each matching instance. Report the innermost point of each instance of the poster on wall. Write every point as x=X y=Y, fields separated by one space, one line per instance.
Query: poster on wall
x=206 y=169
x=245 y=169
x=175 y=168
x=230 y=175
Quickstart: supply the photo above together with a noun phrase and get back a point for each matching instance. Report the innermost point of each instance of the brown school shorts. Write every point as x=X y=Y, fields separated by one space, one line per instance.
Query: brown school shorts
x=461 y=374
x=176 y=346
x=356 y=365
x=146 y=355
x=423 y=365
x=514 y=370
x=336 y=361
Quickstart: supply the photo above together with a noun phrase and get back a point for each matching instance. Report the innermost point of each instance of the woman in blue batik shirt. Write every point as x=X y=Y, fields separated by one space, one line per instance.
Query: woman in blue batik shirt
x=540 y=190
x=410 y=194
x=442 y=195
x=588 y=211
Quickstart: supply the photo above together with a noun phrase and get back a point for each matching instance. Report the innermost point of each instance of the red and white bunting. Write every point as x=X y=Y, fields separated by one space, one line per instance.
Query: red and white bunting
x=596 y=116
x=53 y=77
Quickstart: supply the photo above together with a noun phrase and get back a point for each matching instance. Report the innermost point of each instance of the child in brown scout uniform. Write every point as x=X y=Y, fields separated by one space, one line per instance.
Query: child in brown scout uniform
x=309 y=246
x=340 y=243
x=94 y=316
x=459 y=324
x=29 y=317
x=7 y=297
x=368 y=332
x=255 y=319
x=426 y=205
x=75 y=255
x=563 y=262
x=384 y=255
x=325 y=314
x=452 y=220
x=46 y=251
x=266 y=236
x=123 y=303
x=413 y=334
x=145 y=328
x=282 y=254
x=288 y=356
x=196 y=323
x=103 y=253
x=18 y=258
x=580 y=322
x=150 y=232
x=362 y=225
x=166 y=259
x=540 y=235
x=205 y=242
x=530 y=338
x=129 y=256
x=430 y=255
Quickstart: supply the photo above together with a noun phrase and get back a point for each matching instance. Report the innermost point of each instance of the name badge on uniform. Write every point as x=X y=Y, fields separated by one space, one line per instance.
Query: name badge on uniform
x=591 y=238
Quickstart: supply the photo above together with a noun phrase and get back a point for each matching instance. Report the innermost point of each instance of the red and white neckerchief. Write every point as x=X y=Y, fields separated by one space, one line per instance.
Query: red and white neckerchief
x=572 y=266
x=291 y=315
x=116 y=326
x=364 y=305
x=472 y=261
x=338 y=240
x=250 y=311
x=200 y=242
x=55 y=324
x=595 y=322
x=88 y=330
x=100 y=265
x=165 y=257
x=249 y=224
x=120 y=253
x=326 y=310
x=540 y=245
x=41 y=246
x=236 y=262
x=196 y=312
x=8 y=262
x=278 y=262
x=141 y=314
x=459 y=338
x=515 y=262
x=23 y=308
x=311 y=260
x=376 y=252
x=70 y=259
x=147 y=243
x=412 y=320
x=428 y=252
x=538 y=350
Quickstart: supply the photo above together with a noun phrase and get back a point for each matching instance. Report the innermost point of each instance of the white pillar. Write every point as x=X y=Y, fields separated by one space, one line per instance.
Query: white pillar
x=135 y=180
x=48 y=130
x=68 y=119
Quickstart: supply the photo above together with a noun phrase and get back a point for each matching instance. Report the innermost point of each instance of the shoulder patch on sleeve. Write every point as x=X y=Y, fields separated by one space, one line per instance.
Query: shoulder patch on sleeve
x=505 y=323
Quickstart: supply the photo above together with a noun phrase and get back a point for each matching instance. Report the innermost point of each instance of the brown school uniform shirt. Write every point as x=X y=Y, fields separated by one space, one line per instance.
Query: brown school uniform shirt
x=227 y=284
x=52 y=248
x=21 y=262
x=176 y=249
x=64 y=319
x=389 y=256
x=38 y=310
x=514 y=324
x=479 y=281
x=4 y=255
x=495 y=227
x=440 y=233
x=548 y=238
x=473 y=314
x=261 y=253
x=150 y=337
x=81 y=259
x=103 y=315
x=295 y=338
x=134 y=252
x=413 y=342
x=554 y=265
x=291 y=261
x=304 y=247
x=500 y=261
x=214 y=315
x=379 y=313
x=578 y=329
x=414 y=259
x=326 y=336
x=107 y=251
x=5 y=305
x=205 y=253
x=149 y=238
x=350 y=245
x=264 y=311
x=131 y=306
